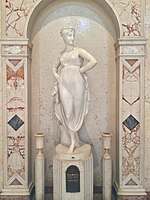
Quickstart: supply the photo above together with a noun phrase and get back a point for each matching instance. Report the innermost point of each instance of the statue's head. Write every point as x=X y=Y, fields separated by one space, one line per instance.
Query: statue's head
x=68 y=34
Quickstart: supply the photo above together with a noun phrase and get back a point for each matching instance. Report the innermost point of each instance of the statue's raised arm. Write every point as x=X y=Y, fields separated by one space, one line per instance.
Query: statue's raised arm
x=91 y=60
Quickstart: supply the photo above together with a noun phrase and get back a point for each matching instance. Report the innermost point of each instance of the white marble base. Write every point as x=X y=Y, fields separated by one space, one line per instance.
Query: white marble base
x=81 y=158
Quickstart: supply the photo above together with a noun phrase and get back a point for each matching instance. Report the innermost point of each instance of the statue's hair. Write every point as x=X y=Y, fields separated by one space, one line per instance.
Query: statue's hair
x=66 y=29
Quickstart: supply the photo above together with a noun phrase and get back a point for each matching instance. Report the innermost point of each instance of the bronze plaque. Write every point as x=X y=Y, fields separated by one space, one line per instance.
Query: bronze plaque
x=72 y=179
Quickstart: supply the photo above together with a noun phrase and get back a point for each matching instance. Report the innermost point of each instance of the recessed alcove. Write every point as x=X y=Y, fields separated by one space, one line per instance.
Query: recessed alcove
x=95 y=32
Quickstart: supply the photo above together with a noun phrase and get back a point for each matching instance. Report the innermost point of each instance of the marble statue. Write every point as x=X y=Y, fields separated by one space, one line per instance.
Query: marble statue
x=71 y=89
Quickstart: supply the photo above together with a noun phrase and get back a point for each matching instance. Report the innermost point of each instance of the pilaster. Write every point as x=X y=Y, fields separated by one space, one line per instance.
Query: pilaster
x=130 y=126
x=16 y=117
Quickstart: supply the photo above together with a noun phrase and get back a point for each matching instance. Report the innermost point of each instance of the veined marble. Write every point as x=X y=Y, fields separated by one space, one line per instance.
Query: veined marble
x=129 y=11
x=135 y=26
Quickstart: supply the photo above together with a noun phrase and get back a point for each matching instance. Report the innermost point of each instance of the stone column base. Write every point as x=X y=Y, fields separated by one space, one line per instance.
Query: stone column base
x=132 y=197
x=11 y=194
x=129 y=193
x=6 y=197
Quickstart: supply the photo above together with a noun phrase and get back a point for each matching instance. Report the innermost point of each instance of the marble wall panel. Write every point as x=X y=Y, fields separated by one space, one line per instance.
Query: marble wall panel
x=129 y=12
x=16 y=15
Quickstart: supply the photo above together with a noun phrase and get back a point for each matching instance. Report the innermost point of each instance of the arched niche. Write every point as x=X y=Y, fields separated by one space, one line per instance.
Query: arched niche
x=41 y=4
x=97 y=29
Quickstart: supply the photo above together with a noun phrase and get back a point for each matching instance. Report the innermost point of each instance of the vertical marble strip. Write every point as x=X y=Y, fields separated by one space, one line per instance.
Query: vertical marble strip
x=88 y=178
x=1 y=122
x=131 y=54
x=131 y=118
x=15 y=117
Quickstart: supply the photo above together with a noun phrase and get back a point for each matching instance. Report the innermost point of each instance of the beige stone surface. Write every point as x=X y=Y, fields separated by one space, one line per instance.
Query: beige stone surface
x=47 y=45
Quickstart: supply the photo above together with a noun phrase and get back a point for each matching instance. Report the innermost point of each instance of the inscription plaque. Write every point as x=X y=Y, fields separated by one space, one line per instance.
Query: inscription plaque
x=72 y=179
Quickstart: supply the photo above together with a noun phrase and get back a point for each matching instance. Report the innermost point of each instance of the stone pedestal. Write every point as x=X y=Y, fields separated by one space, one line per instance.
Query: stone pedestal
x=107 y=167
x=107 y=178
x=39 y=167
x=73 y=173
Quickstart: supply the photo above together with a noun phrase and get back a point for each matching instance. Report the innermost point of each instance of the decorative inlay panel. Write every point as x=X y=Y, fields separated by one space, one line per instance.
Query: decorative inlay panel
x=15 y=122
x=16 y=157
x=15 y=79
x=15 y=57
x=16 y=182
x=131 y=154
x=13 y=49
x=15 y=109
x=131 y=117
x=130 y=122
x=15 y=62
x=131 y=182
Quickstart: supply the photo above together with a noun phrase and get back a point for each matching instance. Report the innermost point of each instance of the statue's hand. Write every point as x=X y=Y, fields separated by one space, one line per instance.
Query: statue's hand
x=55 y=90
x=57 y=77
x=81 y=71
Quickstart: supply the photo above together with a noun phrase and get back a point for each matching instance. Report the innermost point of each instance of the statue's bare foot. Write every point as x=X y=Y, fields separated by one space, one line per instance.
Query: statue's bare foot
x=71 y=149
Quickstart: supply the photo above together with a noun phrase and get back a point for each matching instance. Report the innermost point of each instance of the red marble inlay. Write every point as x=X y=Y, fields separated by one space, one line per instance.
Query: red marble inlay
x=16 y=182
x=15 y=104
x=16 y=155
x=13 y=78
x=133 y=27
x=130 y=182
x=131 y=61
x=130 y=144
x=15 y=62
x=130 y=76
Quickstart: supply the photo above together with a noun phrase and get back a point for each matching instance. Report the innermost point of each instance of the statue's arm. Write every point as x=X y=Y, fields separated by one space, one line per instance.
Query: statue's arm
x=91 y=60
x=55 y=69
